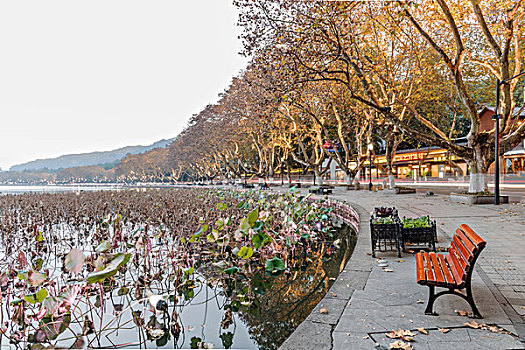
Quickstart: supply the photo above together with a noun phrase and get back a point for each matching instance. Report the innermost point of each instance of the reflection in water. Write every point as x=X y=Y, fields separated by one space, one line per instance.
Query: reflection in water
x=284 y=302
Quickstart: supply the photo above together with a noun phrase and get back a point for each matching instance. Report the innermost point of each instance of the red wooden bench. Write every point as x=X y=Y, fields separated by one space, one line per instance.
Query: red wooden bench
x=452 y=270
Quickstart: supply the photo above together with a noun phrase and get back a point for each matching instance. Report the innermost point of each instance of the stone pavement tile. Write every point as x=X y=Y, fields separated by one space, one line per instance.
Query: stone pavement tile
x=456 y=335
x=310 y=335
x=510 y=294
x=350 y=322
x=520 y=307
x=354 y=340
x=491 y=340
x=520 y=289
x=456 y=338
x=351 y=280
x=334 y=308
x=389 y=319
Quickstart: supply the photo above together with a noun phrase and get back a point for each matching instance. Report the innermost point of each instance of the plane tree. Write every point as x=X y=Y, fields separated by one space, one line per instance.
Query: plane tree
x=387 y=55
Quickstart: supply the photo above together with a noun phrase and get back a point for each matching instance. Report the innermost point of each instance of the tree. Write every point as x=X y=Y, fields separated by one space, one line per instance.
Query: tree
x=389 y=54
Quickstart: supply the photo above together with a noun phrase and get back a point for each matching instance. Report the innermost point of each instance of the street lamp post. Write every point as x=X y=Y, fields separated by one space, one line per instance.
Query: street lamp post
x=370 y=148
x=496 y=118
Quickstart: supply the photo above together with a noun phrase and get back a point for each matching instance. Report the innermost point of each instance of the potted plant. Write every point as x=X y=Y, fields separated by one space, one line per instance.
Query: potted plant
x=418 y=232
x=384 y=230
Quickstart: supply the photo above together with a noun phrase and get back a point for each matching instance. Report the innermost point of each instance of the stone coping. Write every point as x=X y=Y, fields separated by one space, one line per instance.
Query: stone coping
x=476 y=199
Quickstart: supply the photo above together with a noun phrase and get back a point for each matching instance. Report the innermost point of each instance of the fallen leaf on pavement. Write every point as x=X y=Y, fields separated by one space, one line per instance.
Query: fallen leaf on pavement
x=507 y=261
x=443 y=330
x=400 y=345
x=494 y=329
x=406 y=335
x=333 y=294
x=422 y=330
x=323 y=310
x=400 y=261
x=462 y=312
x=420 y=301
x=491 y=328
x=388 y=270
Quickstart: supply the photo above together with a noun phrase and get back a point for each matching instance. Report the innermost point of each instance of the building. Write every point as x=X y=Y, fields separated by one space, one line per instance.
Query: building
x=437 y=162
x=513 y=159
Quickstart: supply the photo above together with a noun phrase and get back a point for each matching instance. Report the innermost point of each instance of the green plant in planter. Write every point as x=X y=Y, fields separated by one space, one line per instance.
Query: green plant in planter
x=383 y=220
x=416 y=222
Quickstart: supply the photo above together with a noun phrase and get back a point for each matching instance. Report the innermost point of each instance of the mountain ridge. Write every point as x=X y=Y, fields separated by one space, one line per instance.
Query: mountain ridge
x=88 y=159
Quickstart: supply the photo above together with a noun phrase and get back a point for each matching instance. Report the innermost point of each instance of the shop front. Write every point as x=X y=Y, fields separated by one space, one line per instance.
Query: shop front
x=436 y=162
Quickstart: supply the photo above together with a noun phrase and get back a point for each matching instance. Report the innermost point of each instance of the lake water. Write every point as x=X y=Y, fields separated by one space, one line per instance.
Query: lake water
x=279 y=303
x=20 y=189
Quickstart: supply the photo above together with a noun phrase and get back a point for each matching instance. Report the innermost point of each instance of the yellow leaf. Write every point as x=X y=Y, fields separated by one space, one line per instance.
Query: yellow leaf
x=422 y=330
x=472 y=324
x=400 y=345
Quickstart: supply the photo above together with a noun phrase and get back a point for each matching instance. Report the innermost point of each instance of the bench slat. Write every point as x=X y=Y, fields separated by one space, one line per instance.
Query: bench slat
x=437 y=269
x=467 y=255
x=420 y=267
x=428 y=269
x=446 y=271
x=458 y=257
x=473 y=236
x=466 y=241
x=458 y=275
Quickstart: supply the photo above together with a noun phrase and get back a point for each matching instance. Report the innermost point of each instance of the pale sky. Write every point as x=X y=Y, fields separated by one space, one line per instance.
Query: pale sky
x=94 y=75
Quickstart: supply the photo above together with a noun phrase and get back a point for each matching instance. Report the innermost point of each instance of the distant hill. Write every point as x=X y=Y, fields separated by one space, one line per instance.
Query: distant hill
x=87 y=159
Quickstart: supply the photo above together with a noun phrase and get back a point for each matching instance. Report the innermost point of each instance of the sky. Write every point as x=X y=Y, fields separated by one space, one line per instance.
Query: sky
x=95 y=75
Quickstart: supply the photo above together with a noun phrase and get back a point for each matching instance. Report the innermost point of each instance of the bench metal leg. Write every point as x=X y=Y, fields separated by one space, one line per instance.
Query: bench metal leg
x=432 y=296
x=399 y=244
x=431 y=299
x=470 y=300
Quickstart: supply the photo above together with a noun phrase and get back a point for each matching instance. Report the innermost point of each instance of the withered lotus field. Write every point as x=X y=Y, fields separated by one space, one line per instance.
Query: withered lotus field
x=163 y=267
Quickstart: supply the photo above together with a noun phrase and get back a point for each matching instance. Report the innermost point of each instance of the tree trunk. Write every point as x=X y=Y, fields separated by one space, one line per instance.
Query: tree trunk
x=478 y=174
x=391 y=181
x=349 y=179
x=318 y=177
x=357 y=176
x=478 y=182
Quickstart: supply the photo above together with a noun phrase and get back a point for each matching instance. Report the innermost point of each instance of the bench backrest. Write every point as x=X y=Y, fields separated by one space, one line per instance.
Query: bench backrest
x=464 y=250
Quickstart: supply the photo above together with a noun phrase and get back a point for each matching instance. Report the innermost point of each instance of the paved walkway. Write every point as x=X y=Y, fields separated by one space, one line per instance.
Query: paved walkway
x=368 y=301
